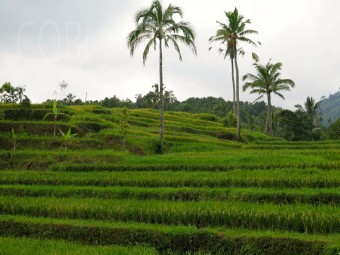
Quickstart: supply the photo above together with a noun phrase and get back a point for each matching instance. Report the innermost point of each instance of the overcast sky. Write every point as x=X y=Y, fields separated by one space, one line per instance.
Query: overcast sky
x=83 y=42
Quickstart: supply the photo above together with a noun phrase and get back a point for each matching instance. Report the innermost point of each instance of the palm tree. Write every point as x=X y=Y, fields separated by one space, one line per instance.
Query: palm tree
x=69 y=99
x=266 y=82
x=169 y=98
x=310 y=108
x=226 y=49
x=231 y=35
x=157 y=27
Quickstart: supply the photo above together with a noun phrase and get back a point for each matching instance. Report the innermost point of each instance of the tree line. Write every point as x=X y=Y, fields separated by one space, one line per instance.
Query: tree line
x=305 y=123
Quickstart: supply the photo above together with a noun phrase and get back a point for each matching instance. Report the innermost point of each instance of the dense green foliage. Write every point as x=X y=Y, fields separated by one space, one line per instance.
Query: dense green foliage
x=330 y=108
x=11 y=94
x=267 y=82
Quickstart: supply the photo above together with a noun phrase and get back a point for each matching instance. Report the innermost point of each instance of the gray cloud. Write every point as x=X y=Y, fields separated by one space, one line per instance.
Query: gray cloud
x=84 y=42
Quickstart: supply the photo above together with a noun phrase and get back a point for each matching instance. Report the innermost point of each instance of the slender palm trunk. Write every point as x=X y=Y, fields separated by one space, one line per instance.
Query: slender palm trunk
x=269 y=124
x=233 y=80
x=238 y=99
x=161 y=96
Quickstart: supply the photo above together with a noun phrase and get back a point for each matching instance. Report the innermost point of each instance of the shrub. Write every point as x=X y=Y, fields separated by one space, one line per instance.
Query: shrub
x=155 y=146
x=334 y=130
x=25 y=104
x=230 y=120
x=316 y=134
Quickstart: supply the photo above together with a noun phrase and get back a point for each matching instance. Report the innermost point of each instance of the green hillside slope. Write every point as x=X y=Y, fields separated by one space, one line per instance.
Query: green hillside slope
x=207 y=194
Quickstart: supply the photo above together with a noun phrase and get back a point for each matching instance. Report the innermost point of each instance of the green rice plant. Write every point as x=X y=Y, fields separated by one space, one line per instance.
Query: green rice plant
x=43 y=159
x=213 y=160
x=170 y=239
x=282 y=178
x=264 y=195
x=33 y=128
x=47 y=143
x=299 y=218
x=29 y=246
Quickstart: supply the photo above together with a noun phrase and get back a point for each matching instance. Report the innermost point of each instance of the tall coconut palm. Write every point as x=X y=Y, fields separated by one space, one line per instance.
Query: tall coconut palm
x=226 y=48
x=157 y=27
x=310 y=108
x=265 y=82
x=231 y=35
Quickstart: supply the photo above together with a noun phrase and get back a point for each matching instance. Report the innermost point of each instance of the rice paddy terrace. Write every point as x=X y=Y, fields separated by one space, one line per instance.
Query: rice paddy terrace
x=207 y=194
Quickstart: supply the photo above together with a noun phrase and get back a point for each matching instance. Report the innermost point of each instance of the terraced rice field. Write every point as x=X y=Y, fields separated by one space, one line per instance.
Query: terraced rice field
x=205 y=195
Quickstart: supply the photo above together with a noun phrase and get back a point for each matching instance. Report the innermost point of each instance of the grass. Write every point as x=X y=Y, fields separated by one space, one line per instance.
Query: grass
x=208 y=193
x=280 y=178
x=298 y=218
x=216 y=240
x=264 y=195
x=142 y=122
x=211 y=159
x=29 y=246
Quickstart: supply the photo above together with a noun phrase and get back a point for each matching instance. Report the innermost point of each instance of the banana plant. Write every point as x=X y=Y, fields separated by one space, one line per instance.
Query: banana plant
x=67 y=136
x=55 y=113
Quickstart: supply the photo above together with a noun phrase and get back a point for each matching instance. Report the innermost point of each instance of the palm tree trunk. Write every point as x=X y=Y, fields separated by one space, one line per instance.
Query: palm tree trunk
x=161 y=96
x=233 y=80
x=238 y=99
x=269 y=126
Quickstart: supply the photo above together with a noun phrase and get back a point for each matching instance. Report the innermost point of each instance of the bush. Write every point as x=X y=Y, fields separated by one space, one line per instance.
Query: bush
x=155 y=146
x=25 y=104
x=334 y=130
x=230 y=120
x=316 y=134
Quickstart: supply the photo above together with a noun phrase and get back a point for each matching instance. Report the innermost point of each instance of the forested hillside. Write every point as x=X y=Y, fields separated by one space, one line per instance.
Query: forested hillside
x=330 y=109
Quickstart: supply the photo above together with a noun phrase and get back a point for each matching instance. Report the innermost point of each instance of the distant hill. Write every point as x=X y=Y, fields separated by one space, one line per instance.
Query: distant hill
x=330 y=108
